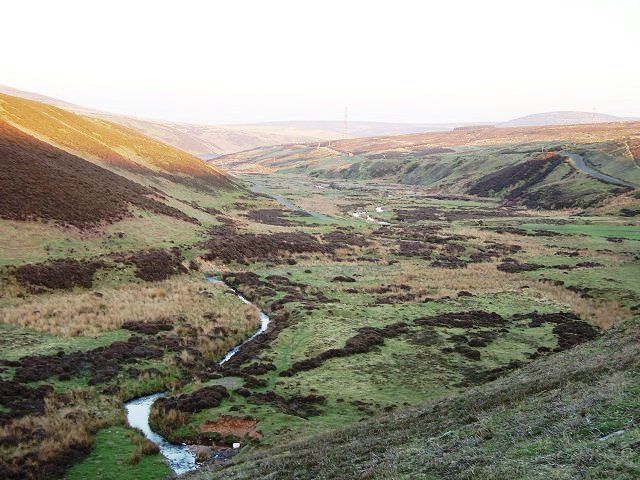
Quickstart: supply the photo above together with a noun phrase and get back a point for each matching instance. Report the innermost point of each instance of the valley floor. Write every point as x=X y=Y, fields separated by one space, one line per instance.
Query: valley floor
x=426 y=336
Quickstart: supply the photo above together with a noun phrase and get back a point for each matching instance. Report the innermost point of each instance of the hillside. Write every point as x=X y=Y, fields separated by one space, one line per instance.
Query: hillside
x=39 y=181
x=192 y=138
x=75 y=185
x=529 y=165
x=220 y=139
x=555 y=418
x=108 y=144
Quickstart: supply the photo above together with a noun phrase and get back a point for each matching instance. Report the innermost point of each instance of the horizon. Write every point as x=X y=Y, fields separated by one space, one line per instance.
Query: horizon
x=326 y=120
x=226 y=64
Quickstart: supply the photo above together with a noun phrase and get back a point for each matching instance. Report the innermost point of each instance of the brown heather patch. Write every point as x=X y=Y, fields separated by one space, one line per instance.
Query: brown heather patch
x=155 y=264
x=364 y=341
x=517 y=177
x=613 y=205
x=274 y=216
x=58 y=274
x=201 y=399
x=226 y=245
x=86 y=313
x=39 y=181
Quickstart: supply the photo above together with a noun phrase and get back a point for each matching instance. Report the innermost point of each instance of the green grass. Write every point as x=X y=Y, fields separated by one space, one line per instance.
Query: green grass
x=629 y=232
x=110 y=459
x=31 y=242
x=401 y=372
x=17 y=342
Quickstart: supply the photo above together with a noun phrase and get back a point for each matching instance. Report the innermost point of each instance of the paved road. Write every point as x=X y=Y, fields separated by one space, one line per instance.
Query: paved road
x=258 y=188
x=581 y=165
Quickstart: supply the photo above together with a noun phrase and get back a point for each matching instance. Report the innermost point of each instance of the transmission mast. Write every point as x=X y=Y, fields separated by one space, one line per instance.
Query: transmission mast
x=346 y=122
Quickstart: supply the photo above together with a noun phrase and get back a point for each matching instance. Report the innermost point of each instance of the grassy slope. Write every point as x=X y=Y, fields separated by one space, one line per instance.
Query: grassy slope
x=43 y=182
x=572 y=415
x=107 y=188
x=456 y=161
x=112 y=458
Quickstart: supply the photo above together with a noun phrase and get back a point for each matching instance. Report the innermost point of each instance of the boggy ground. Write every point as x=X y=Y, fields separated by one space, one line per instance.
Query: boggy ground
x=565 y=416
x=367 y=319
x=370 y=319
x=94 y=319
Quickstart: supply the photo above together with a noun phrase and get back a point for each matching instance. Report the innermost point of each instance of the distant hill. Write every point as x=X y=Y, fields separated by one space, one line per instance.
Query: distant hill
x=563 y=118
x=525 y=165
x=208 y=141
x=266 y=159
x=201 y=140
x=370 y=129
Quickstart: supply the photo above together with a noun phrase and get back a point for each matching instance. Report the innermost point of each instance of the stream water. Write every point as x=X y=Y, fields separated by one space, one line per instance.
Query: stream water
x=181 y=458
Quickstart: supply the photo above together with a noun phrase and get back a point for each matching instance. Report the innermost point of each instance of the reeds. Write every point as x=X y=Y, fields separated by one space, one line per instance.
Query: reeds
x=185 y=298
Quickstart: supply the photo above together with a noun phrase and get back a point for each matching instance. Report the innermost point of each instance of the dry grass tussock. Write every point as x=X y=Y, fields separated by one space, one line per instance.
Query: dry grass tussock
x=440 y=282
x=143 y=447
x=482 y=278
x=43 y=444
x=186 y=298
x=604 y=314
x=530 y=245
x=320 y=203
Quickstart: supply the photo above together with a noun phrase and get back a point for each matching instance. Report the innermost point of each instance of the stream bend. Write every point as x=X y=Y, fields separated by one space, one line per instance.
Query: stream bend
x=181 y=458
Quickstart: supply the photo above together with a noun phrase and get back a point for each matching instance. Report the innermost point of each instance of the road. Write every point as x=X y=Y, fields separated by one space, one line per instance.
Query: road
x=259 y=188
x=581 y=165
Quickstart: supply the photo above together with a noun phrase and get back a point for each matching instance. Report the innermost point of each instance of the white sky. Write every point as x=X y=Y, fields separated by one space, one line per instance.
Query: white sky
x=245 y=61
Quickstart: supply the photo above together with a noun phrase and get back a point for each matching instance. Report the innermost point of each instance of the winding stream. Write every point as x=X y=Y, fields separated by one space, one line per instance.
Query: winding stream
x=181 y=458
